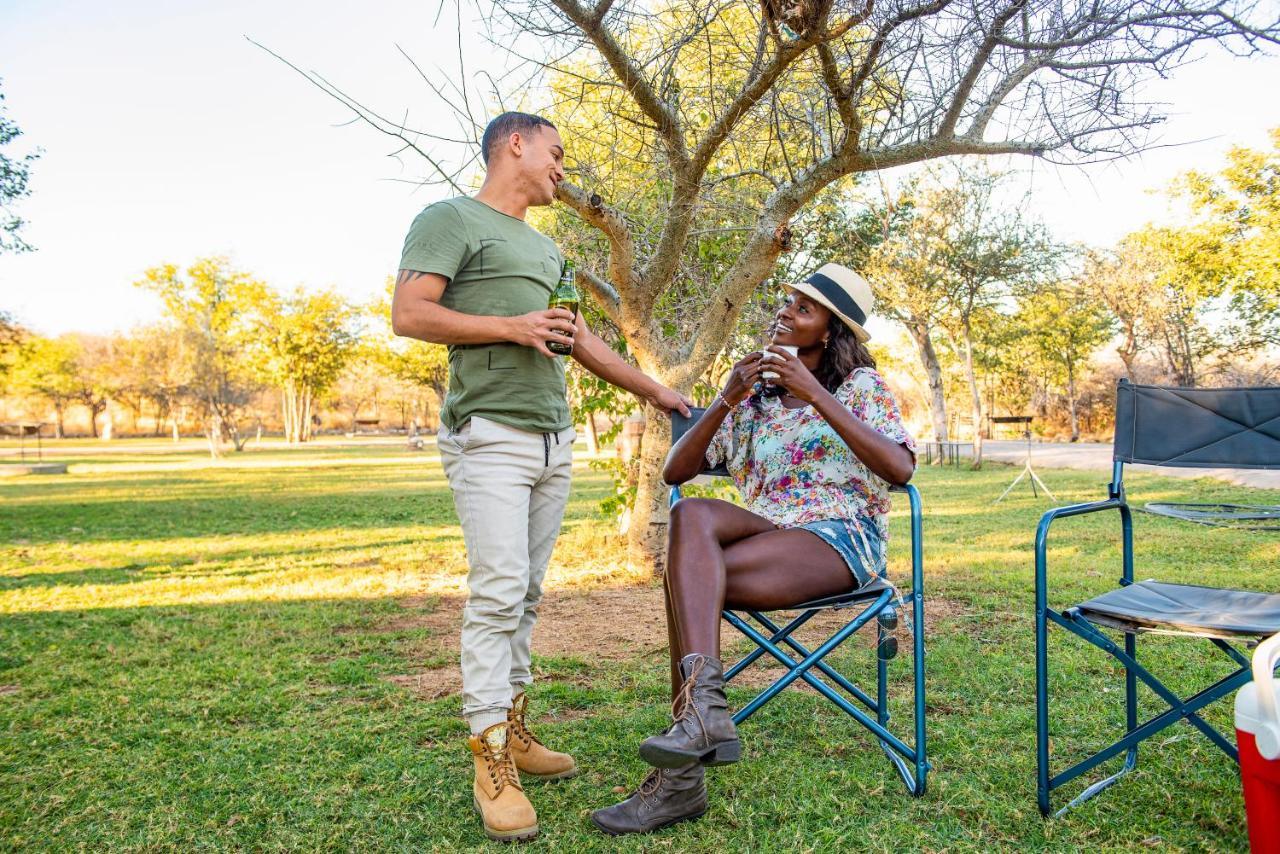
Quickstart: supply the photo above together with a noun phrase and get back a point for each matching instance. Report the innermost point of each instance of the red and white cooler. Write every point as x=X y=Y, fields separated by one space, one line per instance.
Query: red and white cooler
x=1258 y=737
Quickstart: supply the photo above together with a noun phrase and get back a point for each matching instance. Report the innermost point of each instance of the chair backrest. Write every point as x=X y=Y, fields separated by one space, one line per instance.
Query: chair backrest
x=679 y=424
x=1198 y=427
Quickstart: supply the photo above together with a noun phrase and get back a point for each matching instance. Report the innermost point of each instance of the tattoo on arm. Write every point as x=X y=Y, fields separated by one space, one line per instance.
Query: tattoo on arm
x=407 y=276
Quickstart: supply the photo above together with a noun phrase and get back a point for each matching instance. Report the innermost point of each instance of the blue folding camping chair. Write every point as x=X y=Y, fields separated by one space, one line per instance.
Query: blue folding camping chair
x=1186 y=427
x=876 y=601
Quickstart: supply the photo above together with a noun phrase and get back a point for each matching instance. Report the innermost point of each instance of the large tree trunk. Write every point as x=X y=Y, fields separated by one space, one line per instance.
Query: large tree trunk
x=238 y=440
x=593 y=438
x=1177 y=340
x=1127 y=358
x=305 y=394
x=647 y=533
x=295 y=411
x=933 y=372
x=289 y=413
x=975 y=395
x=213 y=430
x=59 y=430
x=1071 y=402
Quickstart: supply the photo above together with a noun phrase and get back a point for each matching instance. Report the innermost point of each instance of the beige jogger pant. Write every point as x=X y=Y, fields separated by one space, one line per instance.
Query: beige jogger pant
x=510 y=488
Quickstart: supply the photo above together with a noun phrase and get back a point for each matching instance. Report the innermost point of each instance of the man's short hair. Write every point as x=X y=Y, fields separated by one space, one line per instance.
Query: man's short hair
x=500 y=129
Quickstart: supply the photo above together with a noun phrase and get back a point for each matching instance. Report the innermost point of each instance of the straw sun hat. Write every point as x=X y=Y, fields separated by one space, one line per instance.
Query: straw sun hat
x=844 y=292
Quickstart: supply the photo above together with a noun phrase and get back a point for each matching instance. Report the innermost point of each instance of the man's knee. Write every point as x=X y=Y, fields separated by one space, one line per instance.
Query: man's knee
x=532 y=599
x=500 y=614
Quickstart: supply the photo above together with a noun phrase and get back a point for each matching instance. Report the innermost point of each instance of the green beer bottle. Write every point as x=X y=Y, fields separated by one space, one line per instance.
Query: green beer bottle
x=564 y=296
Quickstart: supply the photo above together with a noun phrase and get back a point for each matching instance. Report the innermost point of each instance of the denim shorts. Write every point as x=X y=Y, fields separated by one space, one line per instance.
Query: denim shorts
x=858 y=542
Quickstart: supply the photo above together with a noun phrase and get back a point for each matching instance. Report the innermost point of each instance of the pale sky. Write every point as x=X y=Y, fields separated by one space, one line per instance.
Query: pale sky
x=167 y=136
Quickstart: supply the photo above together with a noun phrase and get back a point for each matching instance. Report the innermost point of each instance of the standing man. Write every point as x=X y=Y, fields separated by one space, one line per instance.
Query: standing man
x=475 y=276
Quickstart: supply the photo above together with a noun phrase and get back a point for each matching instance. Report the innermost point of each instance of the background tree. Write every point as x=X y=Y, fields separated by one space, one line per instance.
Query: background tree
x=97 y=380
x=304 y=341
x=12 y=338
x=988 y=253
x=15 y=172
x=910 y=286
x=48 y=370
x=1125 y=281
x=212 y=305
x=1189 y=280
x=364 y=385
x=1064 y=327
x=953 y=252
x=696 y=122
x=1238 y=231
x=161 y=369
x=416 y=363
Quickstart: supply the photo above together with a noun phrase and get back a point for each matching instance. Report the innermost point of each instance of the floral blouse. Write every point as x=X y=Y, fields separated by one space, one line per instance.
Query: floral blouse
x=792 y=467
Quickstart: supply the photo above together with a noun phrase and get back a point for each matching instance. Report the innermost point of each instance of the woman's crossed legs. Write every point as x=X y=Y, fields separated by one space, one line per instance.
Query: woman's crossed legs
x=722 y=555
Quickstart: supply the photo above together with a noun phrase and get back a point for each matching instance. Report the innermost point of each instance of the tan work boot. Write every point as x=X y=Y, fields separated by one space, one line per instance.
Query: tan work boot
x=506 y=812
x=531 y=756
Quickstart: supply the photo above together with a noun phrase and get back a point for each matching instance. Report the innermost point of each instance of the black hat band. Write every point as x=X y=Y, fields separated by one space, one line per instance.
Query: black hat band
x=839 y=298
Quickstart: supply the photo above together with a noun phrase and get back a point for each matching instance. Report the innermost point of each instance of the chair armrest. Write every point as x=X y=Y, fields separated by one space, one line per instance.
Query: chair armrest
x=1042 y=537
x=917 y=534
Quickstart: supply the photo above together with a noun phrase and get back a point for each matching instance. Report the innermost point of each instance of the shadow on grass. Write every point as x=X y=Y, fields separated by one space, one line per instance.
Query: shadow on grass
x=183 y=567
x=127 y=510
x=275 y=725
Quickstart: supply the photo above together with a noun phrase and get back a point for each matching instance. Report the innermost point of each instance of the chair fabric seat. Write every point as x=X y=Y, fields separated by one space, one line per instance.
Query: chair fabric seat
x=870 y=590
x=1186 y=608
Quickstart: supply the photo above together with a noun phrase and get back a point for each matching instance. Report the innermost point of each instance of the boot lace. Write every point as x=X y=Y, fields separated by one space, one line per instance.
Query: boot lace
x=649 y=788
x=683 y=703
x=502 y=769
x=518 y=728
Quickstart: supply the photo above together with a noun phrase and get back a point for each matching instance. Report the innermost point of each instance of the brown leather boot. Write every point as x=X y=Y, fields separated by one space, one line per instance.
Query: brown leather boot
x=531 y=756
x=666 y=796
x=506 y=812
x=703 y=729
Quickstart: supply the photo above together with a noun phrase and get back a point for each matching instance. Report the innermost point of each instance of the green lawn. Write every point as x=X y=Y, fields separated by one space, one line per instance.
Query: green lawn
x=197 y=656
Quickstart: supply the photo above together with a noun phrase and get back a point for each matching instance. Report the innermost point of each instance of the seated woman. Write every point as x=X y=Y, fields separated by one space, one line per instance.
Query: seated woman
x=813 y=456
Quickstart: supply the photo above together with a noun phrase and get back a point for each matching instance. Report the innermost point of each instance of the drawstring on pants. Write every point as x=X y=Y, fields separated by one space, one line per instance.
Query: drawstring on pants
x=546 y=447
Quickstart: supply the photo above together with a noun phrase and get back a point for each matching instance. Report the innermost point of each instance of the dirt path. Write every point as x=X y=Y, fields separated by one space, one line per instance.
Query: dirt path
x=623 y=624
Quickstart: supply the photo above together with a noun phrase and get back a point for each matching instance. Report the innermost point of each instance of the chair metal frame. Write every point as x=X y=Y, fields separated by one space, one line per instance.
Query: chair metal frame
x=1074 y=621
x=911 y=762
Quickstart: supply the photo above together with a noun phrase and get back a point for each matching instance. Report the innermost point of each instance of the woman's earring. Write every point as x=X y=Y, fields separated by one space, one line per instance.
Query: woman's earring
x=824 y=341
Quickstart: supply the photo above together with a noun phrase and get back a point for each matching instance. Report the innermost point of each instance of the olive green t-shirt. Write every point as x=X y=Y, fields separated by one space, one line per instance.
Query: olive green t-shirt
x=496 y=265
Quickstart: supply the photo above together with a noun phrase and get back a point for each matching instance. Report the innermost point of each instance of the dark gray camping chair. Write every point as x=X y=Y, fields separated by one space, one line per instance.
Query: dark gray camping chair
x=1190 y=427
x=875 y=601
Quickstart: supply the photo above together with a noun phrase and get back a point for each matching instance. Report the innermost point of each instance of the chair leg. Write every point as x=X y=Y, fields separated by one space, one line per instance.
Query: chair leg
x=799 y=670
x=915 y=784
x=918 y=664
x=1086 y=630
x=1042 y=712
x=785 y=635
x=780 y=635
x=910 y=763
x=1179 y=709
x=1131 y=695
x=882 y=679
